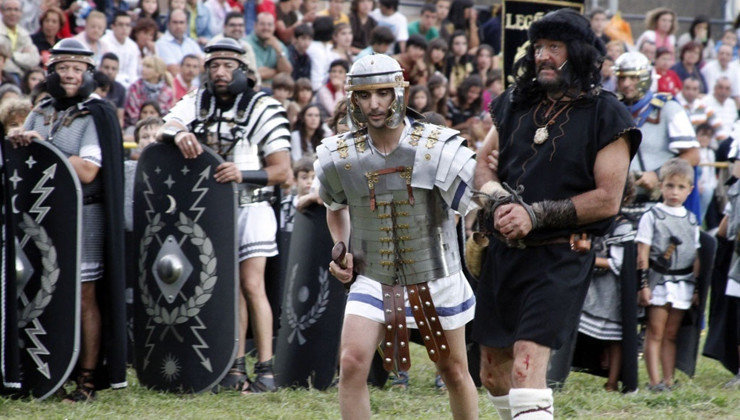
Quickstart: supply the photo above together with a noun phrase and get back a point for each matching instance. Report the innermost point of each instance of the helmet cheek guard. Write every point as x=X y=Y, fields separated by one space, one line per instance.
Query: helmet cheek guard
x=70 y=50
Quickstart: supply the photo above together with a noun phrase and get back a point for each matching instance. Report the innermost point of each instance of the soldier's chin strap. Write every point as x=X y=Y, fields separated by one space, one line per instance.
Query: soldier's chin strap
x=258 y=177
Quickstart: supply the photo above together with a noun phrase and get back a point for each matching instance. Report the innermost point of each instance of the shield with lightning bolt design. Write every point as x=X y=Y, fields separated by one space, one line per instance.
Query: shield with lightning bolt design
x=185 y=299
x=46 y=209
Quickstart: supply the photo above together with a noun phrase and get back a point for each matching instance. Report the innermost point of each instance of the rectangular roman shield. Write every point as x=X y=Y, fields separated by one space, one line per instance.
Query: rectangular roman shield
x=516 y=17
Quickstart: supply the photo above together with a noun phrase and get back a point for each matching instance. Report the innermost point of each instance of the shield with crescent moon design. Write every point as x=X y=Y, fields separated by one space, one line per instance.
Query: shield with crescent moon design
x=45 y=207
x=185 y=294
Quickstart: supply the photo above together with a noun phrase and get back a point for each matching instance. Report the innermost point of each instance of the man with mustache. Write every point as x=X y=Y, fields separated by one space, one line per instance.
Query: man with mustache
x=219 y=115
x=564 y=147
x=395 y=183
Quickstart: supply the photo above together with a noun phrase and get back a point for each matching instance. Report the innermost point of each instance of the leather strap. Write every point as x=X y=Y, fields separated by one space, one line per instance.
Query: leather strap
x=427 y=320
x=395 y=346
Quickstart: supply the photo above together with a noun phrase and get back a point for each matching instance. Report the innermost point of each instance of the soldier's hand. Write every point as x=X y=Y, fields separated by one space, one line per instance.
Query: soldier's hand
x=227 y=172
x=648 y=180
x=19 y=137
x=493 y=160
x=343 y=274
x=188 y=145
x=644 y=296
x=512 y=221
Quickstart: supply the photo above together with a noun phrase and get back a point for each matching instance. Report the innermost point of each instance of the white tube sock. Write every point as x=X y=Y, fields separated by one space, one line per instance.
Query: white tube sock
x=531 y=404
x=502 y=405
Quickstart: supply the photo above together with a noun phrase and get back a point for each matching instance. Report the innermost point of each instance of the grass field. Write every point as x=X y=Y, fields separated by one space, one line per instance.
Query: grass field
x=699 y=398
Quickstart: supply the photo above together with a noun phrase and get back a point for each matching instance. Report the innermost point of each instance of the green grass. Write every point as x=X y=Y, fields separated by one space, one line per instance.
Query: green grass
x=582 y=397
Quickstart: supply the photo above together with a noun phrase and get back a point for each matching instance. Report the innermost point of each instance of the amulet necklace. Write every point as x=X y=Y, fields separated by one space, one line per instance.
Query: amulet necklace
x=541 y=134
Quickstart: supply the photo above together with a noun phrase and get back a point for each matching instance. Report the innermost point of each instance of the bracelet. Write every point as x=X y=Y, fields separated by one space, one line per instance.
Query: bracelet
x=643 y=275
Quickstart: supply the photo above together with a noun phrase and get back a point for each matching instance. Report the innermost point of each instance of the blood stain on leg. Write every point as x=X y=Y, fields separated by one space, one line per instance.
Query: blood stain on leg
x=526 y=362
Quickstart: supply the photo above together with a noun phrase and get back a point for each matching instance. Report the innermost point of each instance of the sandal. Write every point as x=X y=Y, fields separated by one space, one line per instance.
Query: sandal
x=611 y=387
x=235 y=378
x=264 y=380
x=401 y=381
x=85 y=390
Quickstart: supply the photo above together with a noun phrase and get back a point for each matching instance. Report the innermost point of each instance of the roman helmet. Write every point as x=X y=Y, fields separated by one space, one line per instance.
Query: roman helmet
x=228 y=48
x=635 y=64
x=377 y=71
x=70 y=50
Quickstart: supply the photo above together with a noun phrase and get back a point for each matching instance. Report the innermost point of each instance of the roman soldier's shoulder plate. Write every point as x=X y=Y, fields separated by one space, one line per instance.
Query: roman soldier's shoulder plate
x=46 y=203
x=185 y=325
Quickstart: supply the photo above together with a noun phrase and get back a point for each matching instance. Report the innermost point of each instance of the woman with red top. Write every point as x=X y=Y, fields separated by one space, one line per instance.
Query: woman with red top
x=333 y=91
x=661 y=24
x=668 y=80
x=155 y=85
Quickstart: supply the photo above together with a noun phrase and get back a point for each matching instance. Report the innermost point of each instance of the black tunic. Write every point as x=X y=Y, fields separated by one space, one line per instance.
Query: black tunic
x=536 y=293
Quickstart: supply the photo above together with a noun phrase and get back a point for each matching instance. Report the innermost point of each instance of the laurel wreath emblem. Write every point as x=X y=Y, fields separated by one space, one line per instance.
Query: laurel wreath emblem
x=319 y=307
x=203 y=291
x=49 y=274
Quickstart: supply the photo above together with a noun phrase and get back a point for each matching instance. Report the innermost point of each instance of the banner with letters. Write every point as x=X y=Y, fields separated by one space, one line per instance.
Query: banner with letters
x=517 y=15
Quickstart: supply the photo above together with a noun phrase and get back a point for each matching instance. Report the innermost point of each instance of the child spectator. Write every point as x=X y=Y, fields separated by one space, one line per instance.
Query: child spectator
x=302 y=96
x=338 y=122
x=362 y=24
x=387 y=14
x=420 y=99
x=438 y=90
x=342 y=43
x=282 y=89
x=145 y=133
x=484 y=63
x=459 y=64
x=335 y=10
x=32 y=78
x=381 y=39
x=333 y=92
x=307 y=133
x=155 y=85
x=464 y=17
x=298 y=52
x=13 y=112
x=601 y=316
x=668 y=80
x=667 y=242
x=412 y=60
x=465 y=108
x=446 y=28
x=493 y=87
x=301 y=197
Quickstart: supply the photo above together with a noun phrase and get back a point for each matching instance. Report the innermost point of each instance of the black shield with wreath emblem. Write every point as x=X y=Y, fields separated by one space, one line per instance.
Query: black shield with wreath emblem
x=313 y=307
x=185 y=301
x=46 y=205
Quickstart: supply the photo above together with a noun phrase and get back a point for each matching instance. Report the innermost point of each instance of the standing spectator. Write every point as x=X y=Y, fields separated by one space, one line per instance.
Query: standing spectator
x=459 y=63
x=412 y=61
x=92 y=36
x=362 y=24
x=436 y=55
x=31 y=79
x=464 y=17
x=320 y=51
x=288 y=19
x=234 y=28
x=112 y=7
x=155 y=85
x=335 y=10
x=187 y=80
x=723 y=66
x=116 y=95
x=387 y=15
x=661 y=26
x=598 y=20
x=688 y=66
x=298 y=52
x=52 y=21
x=30 y=13
x=218 y=10
x=307 y=133
x=491 y=30
x=199 y=21
x=425 y=25
x=608 y=79
x=725 y=107
x=271 y=54
x=381 y=39
x=144 y=35
x=23 y=53
x=667 y=79
x=342 y=42
x=696 y=106
x=175 y=44
x=124 y=47
x=465 y=108
x=333 y=92
x=700 y=32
